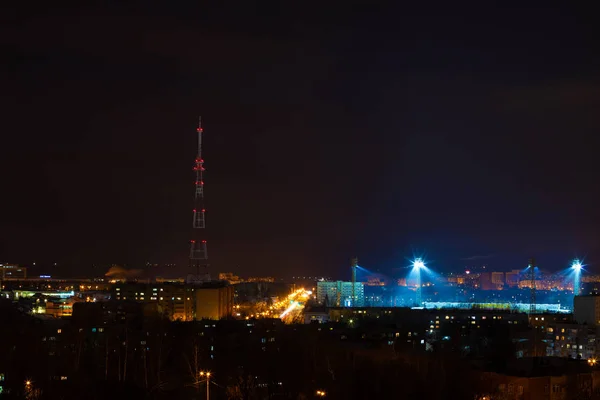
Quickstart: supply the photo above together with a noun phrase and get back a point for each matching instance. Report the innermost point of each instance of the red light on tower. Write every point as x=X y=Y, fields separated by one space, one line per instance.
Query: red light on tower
x=198 y=253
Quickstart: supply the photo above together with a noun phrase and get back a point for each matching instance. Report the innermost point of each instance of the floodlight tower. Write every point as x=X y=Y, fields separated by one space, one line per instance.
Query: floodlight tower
x=418 y=265
x=198 y=249
x=576 y=265
x=353 y=265
x=532 y=300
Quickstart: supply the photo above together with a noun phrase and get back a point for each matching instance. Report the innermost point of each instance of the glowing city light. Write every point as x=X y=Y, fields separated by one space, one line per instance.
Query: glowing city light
x=418 y=263
x=577 y=268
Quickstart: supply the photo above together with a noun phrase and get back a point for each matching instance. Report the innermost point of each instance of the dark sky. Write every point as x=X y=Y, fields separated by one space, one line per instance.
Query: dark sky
x=330 y=131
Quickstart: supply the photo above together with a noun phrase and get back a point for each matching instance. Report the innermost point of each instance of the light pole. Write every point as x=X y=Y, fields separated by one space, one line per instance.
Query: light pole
x=576 y=266
x=418 y=265
x=207 y=374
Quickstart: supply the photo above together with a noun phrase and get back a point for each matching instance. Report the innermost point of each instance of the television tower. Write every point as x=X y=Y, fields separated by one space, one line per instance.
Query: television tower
x=198 y=248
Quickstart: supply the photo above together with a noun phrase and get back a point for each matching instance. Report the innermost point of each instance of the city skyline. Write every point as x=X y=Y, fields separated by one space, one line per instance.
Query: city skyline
x=462 y=134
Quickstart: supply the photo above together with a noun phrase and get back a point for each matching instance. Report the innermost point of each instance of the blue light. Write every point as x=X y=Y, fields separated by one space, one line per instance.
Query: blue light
x=418 y=263
x=576 y=265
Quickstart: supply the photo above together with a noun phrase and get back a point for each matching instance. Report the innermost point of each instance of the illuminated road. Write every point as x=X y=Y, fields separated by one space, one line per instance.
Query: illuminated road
x=290 y=308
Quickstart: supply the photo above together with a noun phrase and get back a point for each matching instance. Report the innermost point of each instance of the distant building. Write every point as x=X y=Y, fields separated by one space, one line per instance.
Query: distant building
x=229 y=277
x=498 y=278
x=512 y=278
x=316 y=315
x=59 y=308
x=8 y=271
x=214 y=302
x=174 y=300
x=267 y=279
x=587 y=310
x=340 y=294
x=541 y=378
x=374 y=282
x=485 y=281
x=181 y=302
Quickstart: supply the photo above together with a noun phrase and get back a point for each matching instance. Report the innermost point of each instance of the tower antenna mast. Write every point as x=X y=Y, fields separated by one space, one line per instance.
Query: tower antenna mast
x=353 y=265
x=198 y=248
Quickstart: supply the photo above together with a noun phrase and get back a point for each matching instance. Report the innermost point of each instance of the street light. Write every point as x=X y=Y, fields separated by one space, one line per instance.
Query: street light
x=592 y=361
x=321 y=393
x=207 y=374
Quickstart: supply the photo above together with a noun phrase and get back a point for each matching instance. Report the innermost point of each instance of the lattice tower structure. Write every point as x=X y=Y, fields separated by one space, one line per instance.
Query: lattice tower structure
x=198 y=246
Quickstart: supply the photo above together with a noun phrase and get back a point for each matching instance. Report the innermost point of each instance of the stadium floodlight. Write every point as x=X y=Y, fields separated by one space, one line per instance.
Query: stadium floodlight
x=418 y=263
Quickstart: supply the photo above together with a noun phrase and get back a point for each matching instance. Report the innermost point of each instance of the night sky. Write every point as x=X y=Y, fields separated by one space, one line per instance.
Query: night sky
x=467 y=135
